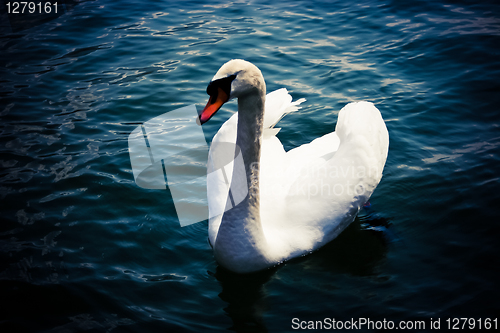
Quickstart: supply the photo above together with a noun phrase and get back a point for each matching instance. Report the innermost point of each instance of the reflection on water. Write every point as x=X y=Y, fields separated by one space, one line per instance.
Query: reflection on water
x=245 y=296
x=357 y=251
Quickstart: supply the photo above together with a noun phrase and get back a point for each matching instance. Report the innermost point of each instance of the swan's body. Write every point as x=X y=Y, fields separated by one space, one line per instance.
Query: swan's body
x=297 y=200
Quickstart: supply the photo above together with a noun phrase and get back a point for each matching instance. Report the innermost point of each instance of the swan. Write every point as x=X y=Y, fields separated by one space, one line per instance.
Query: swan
x=297 y=200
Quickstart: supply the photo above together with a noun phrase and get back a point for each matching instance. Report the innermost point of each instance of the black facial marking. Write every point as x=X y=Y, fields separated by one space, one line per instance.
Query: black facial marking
x=224 y=84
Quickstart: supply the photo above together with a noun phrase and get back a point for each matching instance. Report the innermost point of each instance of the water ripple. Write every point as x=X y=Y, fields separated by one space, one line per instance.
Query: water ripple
x=77 y=230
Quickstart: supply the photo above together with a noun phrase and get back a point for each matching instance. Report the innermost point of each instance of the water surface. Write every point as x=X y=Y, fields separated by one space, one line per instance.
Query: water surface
x=84 y=248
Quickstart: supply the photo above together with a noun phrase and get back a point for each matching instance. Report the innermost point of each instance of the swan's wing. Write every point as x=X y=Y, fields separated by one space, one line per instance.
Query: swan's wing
x=278 y=104
x=328 y=193
x=323 y=147
x=363 y=120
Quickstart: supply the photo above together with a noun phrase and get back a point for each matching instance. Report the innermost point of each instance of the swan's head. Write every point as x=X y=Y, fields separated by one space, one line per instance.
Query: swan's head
x=235 y=79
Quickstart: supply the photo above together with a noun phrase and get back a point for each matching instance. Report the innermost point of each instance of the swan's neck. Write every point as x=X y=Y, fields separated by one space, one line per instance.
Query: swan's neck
x=249 y=140
x=240 y=237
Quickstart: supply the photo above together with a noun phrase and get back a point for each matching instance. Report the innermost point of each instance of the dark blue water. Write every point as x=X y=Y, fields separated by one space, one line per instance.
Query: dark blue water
x=83 y=248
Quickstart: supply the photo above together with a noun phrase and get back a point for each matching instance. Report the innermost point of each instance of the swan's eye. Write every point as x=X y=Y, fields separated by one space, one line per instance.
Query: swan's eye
x=224 y=84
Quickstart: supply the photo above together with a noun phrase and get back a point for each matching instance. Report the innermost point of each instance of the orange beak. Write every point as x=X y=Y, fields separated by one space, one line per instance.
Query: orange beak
x=213 y=106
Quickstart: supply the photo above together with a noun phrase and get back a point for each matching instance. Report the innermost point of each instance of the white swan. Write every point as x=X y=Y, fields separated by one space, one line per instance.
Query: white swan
x=298 y=200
